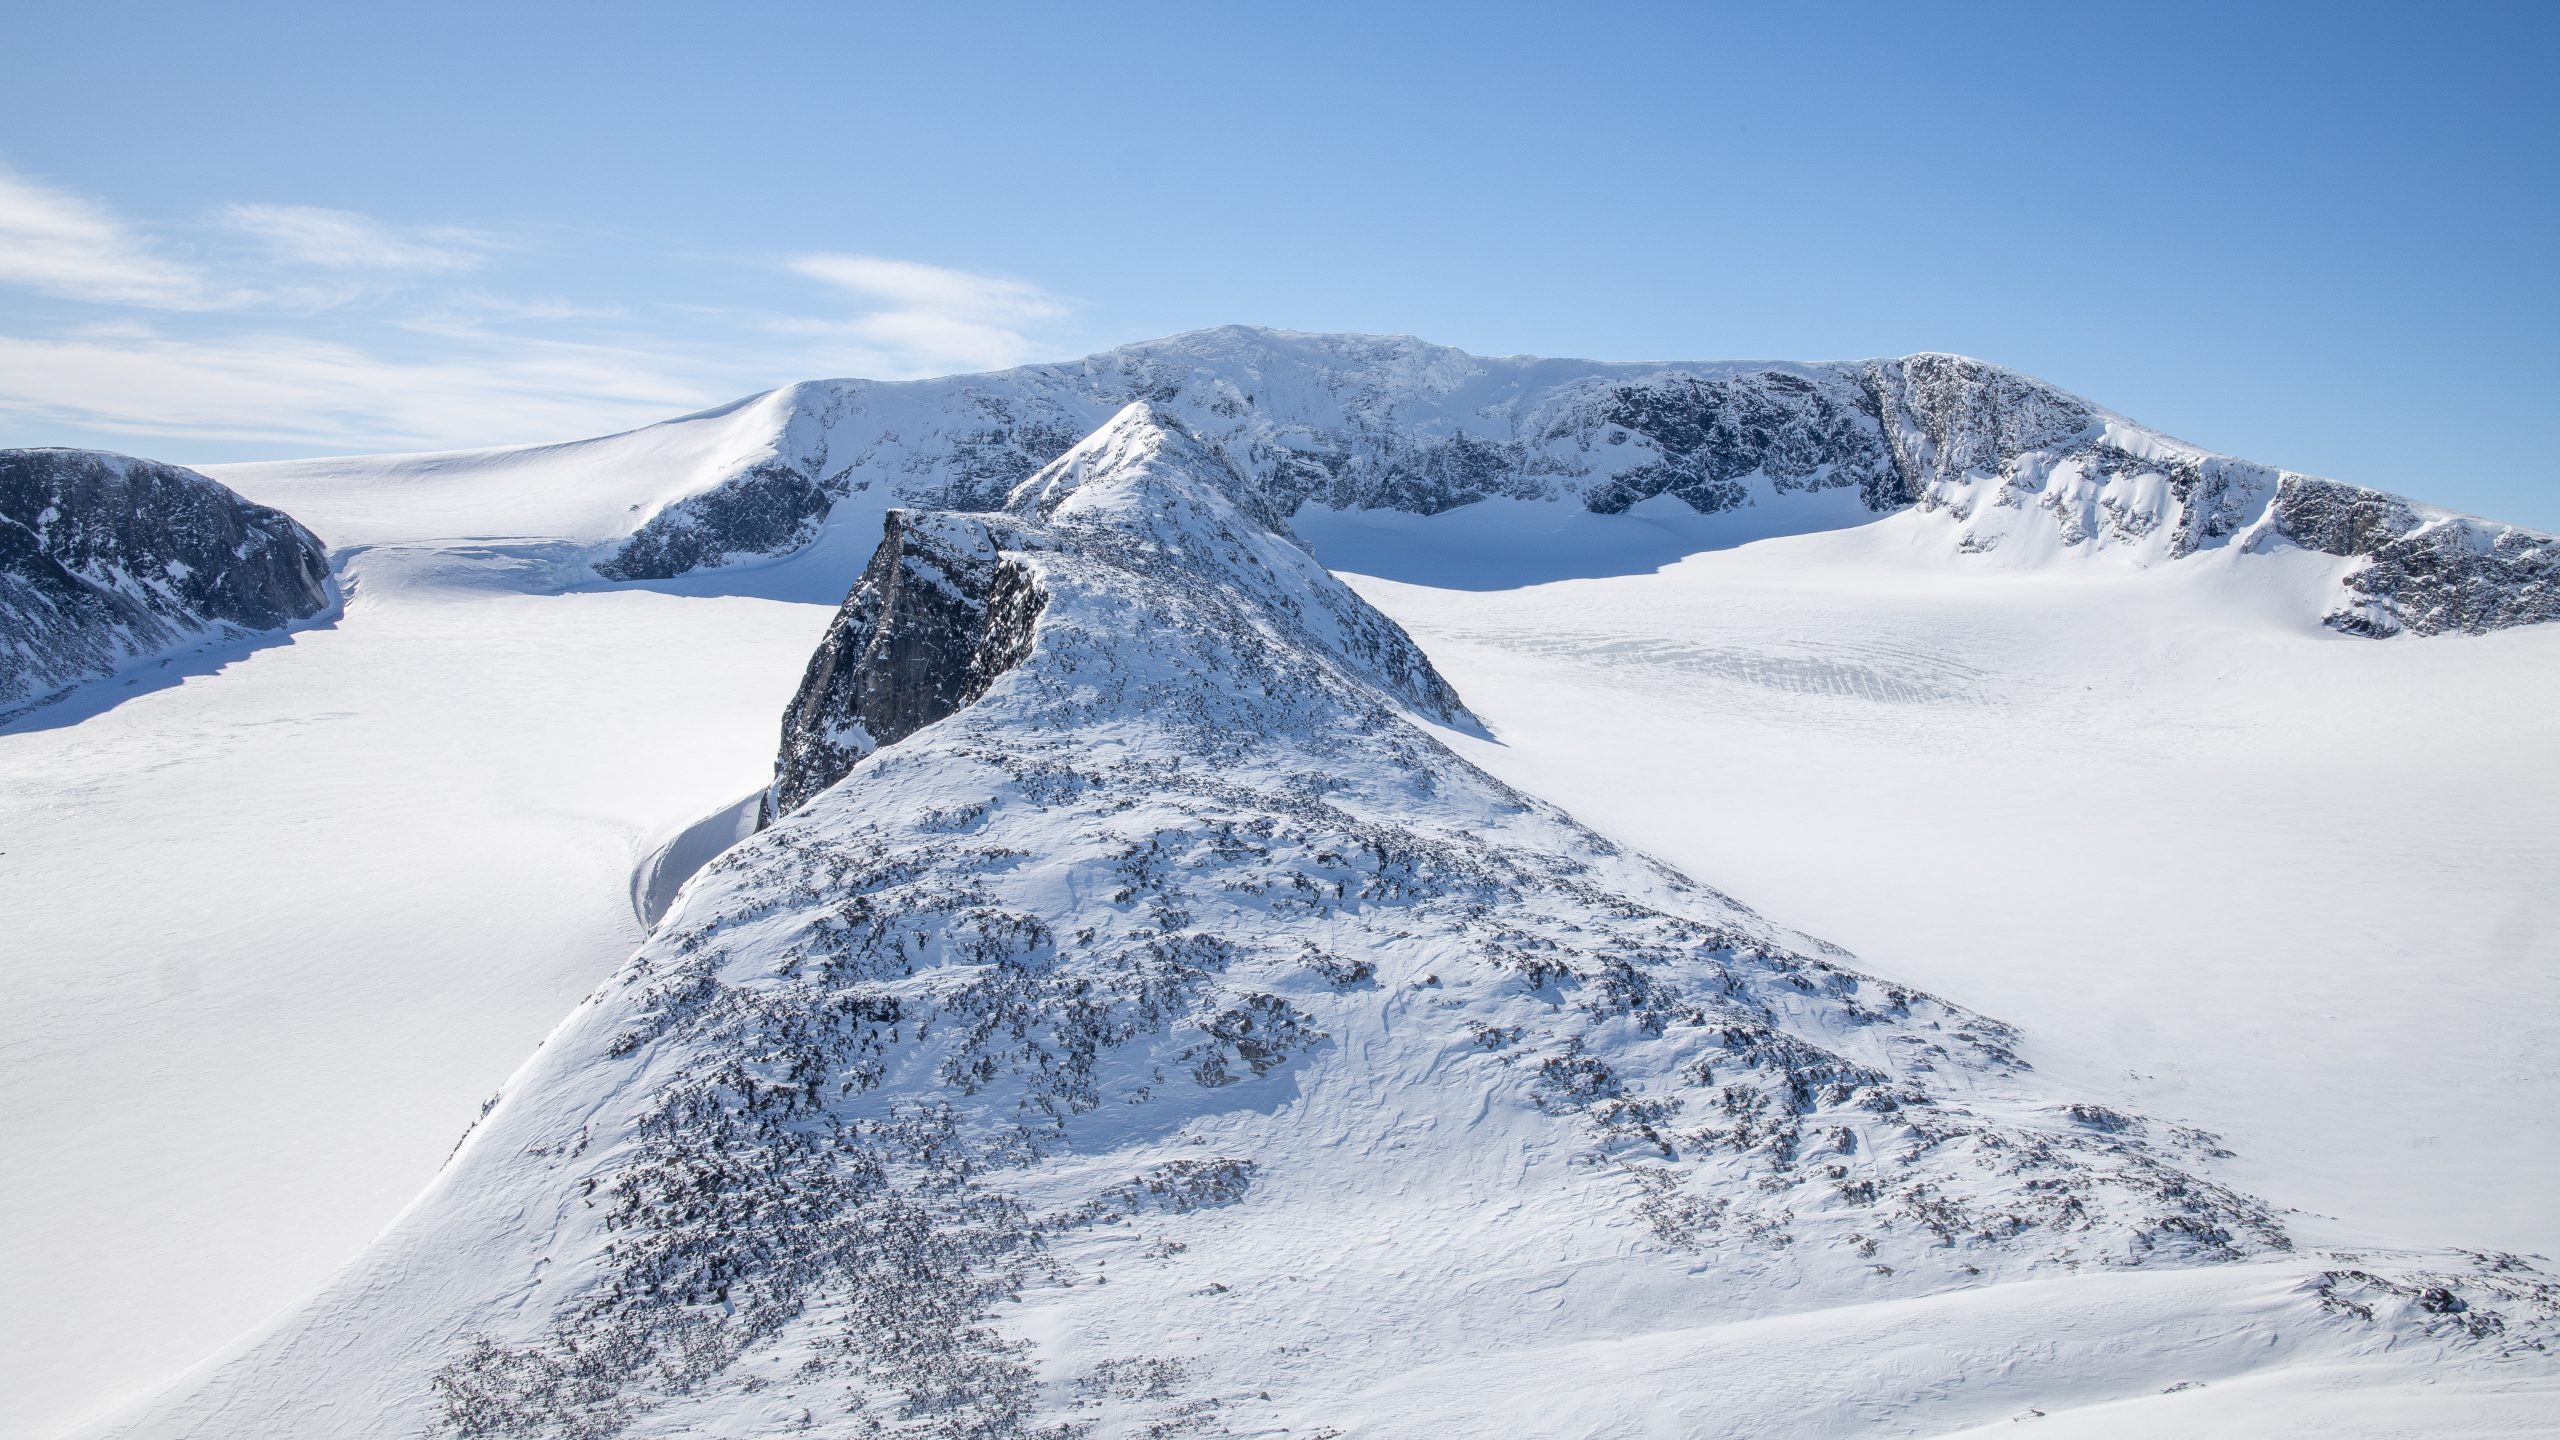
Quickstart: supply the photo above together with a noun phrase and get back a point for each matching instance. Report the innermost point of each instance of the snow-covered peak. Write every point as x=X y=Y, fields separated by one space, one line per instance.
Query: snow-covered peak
x=1157 y=498
x=1138 y=461
x=949 y=602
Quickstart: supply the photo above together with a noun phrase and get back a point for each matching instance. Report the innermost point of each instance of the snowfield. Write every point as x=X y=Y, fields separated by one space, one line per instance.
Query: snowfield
x=2216 y=862
x=2273 y=896
x=278 y=928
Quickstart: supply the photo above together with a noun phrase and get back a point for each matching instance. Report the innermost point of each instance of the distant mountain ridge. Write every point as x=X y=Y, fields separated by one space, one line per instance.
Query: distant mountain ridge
x=106 y=560
x=2011 y=465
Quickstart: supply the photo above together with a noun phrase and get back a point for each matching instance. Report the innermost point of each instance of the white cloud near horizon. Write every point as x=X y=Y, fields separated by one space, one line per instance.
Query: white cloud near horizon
x=305 y=329
x=304 y=394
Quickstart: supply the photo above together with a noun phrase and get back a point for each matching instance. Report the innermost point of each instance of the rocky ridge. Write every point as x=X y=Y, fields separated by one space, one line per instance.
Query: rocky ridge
x=2010 y=464
x=106 y=560
x=1162 y=977
x=941 y=611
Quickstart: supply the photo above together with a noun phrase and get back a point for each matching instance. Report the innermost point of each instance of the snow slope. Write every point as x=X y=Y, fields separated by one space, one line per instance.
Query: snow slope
x=280 y=919
x=2216 y=861
x=1177 y=1037
x=577 y=494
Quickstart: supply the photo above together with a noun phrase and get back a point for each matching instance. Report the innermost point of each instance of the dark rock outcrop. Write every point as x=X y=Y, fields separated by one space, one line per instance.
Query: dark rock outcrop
x=1714 y=433
x=2426 y=574
x=1949 y=415
x=105 y=560
x=926 y=629
x=771 y=509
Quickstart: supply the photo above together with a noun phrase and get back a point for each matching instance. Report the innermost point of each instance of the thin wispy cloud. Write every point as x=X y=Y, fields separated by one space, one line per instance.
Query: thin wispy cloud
x=906 y=285
x=58 y=243
x=302 y=393
x=926 y=319
x=488 y=305
x=345 y=240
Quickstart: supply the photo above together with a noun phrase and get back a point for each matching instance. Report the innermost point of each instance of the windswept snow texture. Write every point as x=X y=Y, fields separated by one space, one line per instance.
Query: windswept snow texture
x=106 y=560
x=2007 y=463
x=1176 y=1037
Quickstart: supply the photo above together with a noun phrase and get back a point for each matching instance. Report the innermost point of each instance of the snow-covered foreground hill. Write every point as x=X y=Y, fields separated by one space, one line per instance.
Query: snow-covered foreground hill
x=1178 y=1039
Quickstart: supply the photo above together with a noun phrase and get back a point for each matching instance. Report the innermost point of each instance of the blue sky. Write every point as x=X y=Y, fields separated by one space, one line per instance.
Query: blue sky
x=2321 y=236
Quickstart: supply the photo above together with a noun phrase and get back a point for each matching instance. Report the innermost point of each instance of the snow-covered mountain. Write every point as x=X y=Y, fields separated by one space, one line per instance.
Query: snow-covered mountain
x=400 y=848
x=106 y=560
x=2010 y=466
x=1137 y=1020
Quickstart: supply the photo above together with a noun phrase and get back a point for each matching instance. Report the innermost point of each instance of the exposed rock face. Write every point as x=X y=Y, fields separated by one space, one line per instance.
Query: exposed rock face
x=1714 y=436
x=105 y=560
x=769 y=509
x=2008 y=463
x=923 y=633
x=2427 y=572
x=1948 y=416
x=1176 y=1038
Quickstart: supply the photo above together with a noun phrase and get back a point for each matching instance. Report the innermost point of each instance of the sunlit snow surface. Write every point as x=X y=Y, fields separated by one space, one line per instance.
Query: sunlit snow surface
x=274 y=930
x=2216 y=862
x=278 y=929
